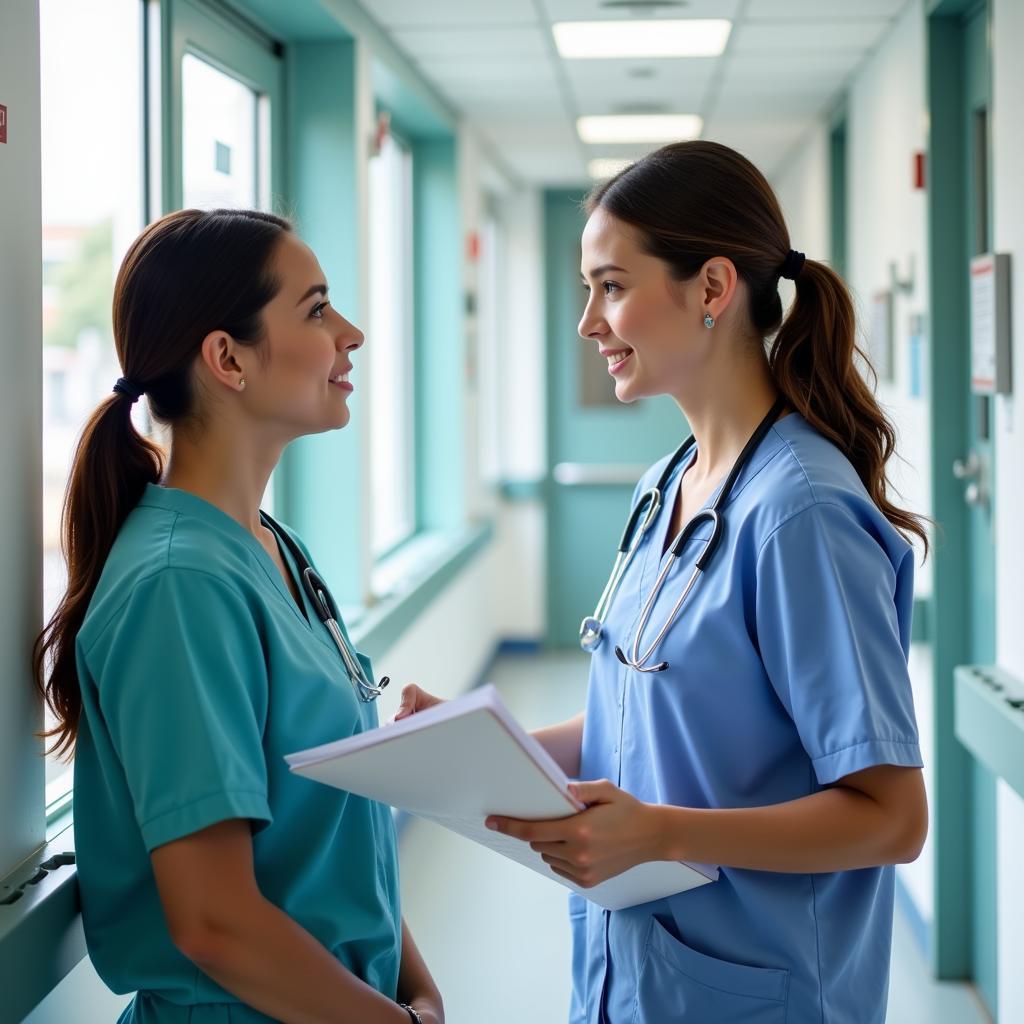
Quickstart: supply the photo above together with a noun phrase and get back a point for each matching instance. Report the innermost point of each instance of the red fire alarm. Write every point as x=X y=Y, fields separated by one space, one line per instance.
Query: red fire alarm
x=3 y=123
x=919 y=167
x=473 y=246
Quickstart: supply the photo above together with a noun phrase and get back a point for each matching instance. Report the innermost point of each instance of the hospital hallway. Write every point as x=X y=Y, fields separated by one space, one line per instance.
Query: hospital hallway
x=496 y=936
x=542 y=244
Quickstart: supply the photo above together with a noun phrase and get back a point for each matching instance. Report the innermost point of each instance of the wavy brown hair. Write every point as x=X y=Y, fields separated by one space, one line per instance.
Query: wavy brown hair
x=692 y=201
x=188 y=274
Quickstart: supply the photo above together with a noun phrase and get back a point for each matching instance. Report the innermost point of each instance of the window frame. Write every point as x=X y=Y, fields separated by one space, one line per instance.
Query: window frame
x=408 y=353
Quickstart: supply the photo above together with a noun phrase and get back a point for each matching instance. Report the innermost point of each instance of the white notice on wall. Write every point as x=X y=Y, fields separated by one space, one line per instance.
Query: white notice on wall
x=990 y=327
x=983 y=325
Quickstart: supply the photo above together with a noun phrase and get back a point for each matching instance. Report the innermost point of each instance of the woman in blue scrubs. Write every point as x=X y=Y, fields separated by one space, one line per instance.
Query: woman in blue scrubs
x=780 y=741
x=187 y=659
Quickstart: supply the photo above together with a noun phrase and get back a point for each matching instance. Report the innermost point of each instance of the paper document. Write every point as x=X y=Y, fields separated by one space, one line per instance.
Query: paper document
x=463 y=760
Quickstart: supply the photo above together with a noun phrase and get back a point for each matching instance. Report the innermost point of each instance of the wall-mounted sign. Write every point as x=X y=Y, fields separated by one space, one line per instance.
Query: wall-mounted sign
x=3 y=123
x=880 y=338
x=990 y=324
x=917 y=351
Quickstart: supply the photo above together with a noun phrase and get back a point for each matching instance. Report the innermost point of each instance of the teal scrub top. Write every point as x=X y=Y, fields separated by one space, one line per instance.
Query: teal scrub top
x=198 y=674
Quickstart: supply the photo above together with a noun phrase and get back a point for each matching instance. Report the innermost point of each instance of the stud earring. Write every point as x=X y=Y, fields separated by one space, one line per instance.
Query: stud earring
x=241 y=383
x=709 y=321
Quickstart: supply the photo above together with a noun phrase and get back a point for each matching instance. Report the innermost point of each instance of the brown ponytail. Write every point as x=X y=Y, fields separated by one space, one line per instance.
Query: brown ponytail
x=691 y=201
x=186 y=275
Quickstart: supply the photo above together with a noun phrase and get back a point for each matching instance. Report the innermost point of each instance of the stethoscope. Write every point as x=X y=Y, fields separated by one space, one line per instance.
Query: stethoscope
x=321 y=599
x=643 y=516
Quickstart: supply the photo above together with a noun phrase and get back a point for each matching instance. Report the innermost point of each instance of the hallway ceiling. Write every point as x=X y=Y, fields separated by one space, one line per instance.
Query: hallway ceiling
x=495 y=61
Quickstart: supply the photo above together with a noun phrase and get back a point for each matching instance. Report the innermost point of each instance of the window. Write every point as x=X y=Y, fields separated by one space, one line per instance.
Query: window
x=389 y=349
x=221 y=151
x=92 y=172
x=490 y=327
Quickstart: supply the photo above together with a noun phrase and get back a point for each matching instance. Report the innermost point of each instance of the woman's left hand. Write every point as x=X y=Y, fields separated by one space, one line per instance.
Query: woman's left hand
x=429 y=1009
x=614 y=833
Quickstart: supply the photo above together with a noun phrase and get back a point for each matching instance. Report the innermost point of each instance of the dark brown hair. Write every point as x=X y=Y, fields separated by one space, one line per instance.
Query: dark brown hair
x=188 y=274
x=692 y=201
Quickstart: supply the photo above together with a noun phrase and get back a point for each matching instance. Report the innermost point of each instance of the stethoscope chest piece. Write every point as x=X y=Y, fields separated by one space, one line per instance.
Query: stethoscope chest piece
x=641 y=518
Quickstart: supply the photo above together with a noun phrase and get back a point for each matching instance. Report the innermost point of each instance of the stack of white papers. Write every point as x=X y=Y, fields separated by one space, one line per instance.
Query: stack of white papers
x=461 y=761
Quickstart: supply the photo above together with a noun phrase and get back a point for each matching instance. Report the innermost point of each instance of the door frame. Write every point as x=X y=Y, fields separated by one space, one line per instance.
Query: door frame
x=951 y=951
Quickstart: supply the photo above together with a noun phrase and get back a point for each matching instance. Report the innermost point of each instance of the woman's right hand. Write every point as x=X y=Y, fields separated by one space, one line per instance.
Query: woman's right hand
x=415 y=699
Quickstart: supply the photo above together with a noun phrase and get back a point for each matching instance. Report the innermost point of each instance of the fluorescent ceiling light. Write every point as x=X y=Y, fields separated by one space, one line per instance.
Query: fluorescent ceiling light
x=634 y=128
x=632 y=39
x=607 y=167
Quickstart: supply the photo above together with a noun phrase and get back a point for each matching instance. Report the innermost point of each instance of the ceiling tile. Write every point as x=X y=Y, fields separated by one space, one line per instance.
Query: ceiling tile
x=747 y=102
x=792 y=67
x=529 y=106
x=807 y=35
x=758 y=9
x=430 y=44
x=548 y=91
x=595 y=10
x=532 y=131
x=610 y=75
x=606 y=87
x=416 y=14
x=484 y=69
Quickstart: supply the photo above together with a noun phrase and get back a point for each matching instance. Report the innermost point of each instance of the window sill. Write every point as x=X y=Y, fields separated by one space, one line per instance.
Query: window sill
x=408 y=580
x=41 y=937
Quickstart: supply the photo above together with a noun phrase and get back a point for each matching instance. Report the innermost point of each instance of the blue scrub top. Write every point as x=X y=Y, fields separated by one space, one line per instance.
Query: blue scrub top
x=787 y=672
x=198 y=674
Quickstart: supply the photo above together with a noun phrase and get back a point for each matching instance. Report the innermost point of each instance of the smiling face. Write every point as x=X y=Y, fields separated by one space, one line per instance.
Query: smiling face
x=648 y=326
x=297 y=379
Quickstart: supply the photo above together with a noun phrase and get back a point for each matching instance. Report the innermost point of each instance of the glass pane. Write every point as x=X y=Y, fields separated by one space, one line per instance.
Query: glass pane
x=92 y=202
x=219 y=143
x=389 y=347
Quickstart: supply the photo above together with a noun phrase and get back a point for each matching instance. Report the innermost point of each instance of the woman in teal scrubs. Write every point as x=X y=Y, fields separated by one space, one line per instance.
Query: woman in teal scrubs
x=187 y=659
x=778 y=741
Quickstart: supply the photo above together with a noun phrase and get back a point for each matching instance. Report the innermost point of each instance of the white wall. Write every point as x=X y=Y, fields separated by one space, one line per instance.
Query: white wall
x=886 y=222
x=1007 y=170
x=802 y=184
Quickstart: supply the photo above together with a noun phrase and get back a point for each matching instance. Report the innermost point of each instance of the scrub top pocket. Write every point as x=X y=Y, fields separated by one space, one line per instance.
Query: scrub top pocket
x=678 y=984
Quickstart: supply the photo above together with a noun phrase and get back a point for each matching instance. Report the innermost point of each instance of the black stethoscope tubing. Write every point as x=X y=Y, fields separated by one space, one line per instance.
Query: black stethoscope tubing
x=327 y=611
x=641 y=518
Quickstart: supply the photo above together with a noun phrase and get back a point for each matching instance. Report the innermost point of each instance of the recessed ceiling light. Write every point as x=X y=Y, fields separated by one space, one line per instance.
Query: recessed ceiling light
x=607 y=167
x=633 y=128
x=691 y=37
x=643 y=5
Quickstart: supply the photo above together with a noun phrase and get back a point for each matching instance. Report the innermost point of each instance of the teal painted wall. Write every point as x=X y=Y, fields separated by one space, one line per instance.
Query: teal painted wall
x=584 y=523
x=321 y=477
x=440 y=414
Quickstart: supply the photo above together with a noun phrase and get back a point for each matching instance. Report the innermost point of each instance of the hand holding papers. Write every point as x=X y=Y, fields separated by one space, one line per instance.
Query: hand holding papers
x=461 y=761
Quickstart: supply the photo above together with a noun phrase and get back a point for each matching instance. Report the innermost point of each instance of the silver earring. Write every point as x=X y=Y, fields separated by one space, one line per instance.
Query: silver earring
x=709 y=321
x=241 y=383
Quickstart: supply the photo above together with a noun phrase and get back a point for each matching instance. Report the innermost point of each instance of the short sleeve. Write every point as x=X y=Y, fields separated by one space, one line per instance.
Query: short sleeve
x=183 y=691
x=830 y=640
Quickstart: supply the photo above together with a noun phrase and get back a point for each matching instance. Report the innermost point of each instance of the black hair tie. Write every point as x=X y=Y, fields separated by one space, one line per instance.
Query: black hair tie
x=125 y=387
x=792 y=265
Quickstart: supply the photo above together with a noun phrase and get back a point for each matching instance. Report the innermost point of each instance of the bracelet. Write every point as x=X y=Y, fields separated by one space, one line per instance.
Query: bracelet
x=414 y=1015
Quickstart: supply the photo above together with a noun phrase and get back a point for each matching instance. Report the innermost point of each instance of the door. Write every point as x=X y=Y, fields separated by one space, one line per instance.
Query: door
x=975 y=470
x=597 y=447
